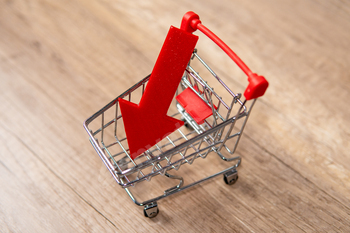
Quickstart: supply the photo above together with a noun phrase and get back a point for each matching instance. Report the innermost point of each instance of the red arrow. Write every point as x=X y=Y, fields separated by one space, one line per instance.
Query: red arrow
x=148 y=123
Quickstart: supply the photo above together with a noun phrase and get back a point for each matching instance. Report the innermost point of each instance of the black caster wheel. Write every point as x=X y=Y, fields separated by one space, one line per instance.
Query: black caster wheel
x=231 y=177
x=186 y=124
x=151 y=210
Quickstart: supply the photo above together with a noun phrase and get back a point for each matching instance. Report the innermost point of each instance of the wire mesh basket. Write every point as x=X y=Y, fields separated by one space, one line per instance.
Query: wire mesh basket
x=218 y=130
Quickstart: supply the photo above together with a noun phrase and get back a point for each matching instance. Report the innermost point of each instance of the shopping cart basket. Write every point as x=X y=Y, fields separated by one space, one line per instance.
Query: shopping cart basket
x=212 y=125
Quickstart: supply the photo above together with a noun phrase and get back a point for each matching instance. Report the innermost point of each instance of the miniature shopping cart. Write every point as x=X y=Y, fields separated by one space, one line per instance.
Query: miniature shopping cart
x=213 y=123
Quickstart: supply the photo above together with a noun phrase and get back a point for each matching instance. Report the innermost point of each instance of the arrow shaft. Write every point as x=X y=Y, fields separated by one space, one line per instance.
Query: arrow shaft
x=168 y=70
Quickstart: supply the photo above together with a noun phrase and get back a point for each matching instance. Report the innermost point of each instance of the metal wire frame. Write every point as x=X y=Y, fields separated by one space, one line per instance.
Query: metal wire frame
x=205 y=138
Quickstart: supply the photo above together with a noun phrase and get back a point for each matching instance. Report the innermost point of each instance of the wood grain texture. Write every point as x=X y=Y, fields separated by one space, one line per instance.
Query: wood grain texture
x=61 y=61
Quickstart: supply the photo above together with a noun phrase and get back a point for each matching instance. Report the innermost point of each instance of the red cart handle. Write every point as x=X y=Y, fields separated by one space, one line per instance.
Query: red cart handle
x=257 y=84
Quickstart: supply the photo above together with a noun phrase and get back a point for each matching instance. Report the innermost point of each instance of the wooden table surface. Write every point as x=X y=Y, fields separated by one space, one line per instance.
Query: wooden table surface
x=61 y=61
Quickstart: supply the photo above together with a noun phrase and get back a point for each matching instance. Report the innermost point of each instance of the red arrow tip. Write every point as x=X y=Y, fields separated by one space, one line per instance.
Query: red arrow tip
x=144 y=127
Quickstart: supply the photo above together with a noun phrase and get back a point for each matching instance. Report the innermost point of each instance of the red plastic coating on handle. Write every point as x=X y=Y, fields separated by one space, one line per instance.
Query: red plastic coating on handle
x=257 y=84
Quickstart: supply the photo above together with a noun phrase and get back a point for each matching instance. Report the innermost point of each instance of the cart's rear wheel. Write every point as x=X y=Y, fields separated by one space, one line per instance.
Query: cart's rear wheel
x=151 y=210
x=231 y=177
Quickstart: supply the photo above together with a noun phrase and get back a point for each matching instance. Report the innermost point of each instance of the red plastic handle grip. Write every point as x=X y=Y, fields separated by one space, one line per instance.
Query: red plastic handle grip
x=257 y=84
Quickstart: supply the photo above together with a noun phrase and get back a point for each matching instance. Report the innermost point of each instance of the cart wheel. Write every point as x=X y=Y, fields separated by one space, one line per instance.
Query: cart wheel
x=151 y=210
x=231 y=177
x=186 y=124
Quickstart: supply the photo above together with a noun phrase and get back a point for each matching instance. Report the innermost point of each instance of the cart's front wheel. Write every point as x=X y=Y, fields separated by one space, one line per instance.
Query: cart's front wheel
x=151 y=210
x=186 y=124
x=231 y=177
